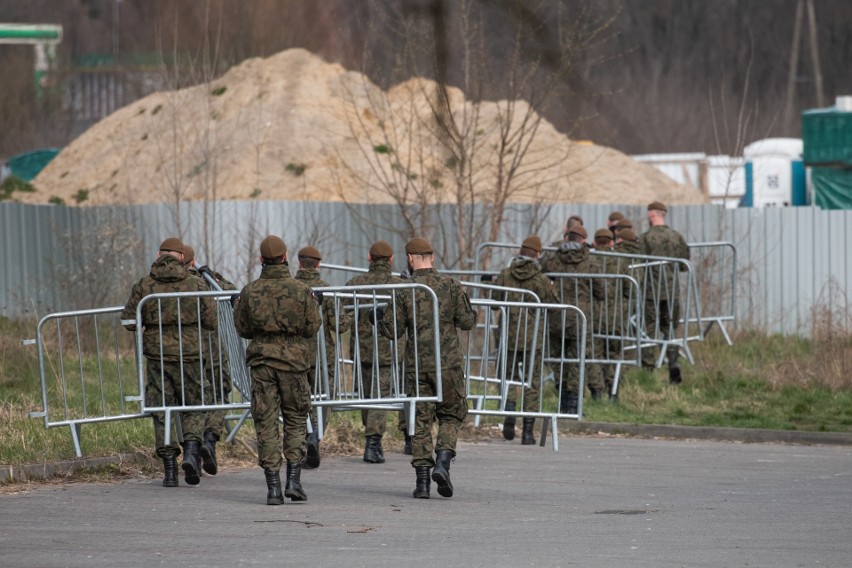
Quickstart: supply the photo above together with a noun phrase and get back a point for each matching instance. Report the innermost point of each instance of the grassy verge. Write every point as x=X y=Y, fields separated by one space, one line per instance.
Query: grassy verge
x=759 y=382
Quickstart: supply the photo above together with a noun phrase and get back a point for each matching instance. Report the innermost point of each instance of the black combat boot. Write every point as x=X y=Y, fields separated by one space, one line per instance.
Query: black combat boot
x=407 y=448
x=421 y=490
x=527 y=438
x=373 y=449
x=170 y=477
x=312 y=461
x=273 y=486
x=674 y=370
x=509 y=422
x=596 y=393
x=293 y=486
x=190 y=465
x=208 y=452
x=441 y=473
x=568 y=402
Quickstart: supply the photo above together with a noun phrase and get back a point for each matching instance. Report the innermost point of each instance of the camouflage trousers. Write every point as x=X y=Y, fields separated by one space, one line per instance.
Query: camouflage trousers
x=217 y=391
x=571 y=371
x=374 y=420
x=275 y=393
x=516 y=361
x=166 y=387
x=662 y=320
x=449 y=413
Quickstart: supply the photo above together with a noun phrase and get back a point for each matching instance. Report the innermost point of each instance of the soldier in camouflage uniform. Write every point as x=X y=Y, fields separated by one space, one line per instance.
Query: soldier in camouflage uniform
x=605 y=312
x=375 y=356
x=170 y=342
x=573 y=257
x=572 y=221
x=280 y=316
x=455 y=312
x=661 y=240
x=525 y=273
x=308 y=273
x=217 y=372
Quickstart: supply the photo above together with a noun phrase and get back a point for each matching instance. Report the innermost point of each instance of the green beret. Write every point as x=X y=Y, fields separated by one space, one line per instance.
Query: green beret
x=310 y=252
x=272 y=247
x=627 y=235
x=381 y=249
x=532 y=243
x=172 y=244
x=188 y=254
x=418 y=246
x=603 y=234
x=657 y=206
x=578 y=230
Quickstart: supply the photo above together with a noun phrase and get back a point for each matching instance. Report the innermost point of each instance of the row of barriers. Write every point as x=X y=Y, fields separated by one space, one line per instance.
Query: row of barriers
x=518 y=359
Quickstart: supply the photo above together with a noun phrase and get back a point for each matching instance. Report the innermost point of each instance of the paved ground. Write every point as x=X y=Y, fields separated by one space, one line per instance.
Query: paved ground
x=599 y=501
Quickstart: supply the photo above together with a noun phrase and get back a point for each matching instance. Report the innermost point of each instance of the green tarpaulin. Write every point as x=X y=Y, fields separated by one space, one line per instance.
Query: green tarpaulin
x=832 y=187
x=827 y=137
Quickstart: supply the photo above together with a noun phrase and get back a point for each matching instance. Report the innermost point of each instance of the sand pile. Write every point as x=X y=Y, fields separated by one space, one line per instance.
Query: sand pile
x=294 y=127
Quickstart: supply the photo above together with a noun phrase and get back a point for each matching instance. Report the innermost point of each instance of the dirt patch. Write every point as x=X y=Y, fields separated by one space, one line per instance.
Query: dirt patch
x=295 y=127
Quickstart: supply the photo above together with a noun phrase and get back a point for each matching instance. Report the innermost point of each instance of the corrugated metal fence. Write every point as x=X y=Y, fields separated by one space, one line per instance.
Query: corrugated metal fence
x=793 y=264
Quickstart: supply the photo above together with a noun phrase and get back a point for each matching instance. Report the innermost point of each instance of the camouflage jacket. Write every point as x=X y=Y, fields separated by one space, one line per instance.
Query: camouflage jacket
x=180 y=337
x=661 y=240
x=578 y=292
x=454 y=312
x=524 y=273
x=280 y=316
x=331 y=324
x=379 y=273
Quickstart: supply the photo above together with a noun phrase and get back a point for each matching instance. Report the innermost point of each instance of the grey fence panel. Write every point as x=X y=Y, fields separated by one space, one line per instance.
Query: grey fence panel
x=86 y=366
x=770 y=243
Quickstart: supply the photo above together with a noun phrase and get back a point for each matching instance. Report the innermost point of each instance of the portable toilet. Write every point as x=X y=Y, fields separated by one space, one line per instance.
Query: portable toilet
x=774 y=173
x=827 y=134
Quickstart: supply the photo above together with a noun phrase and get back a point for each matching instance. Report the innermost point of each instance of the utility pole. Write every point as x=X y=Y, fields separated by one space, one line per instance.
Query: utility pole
x=803 y=8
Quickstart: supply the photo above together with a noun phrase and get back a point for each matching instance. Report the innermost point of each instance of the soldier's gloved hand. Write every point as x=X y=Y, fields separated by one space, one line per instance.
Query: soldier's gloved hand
x=377 y=315
x=234 y=299
x=205 y=270
x=405 y=275
x=317 y=296
x=487 y=278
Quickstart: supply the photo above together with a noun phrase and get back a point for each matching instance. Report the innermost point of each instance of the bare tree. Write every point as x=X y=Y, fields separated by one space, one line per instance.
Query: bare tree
x=451 y=161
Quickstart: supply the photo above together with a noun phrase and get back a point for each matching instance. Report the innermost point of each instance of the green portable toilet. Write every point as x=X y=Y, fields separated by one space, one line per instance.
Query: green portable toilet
x=827 y=137
x=27 y=166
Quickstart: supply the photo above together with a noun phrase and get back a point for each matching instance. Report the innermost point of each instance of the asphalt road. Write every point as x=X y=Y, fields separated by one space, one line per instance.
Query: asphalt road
x=599 y=501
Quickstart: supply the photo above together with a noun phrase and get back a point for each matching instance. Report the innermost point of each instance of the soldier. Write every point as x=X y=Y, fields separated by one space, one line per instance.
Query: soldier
x=280 y=316
x=171 y=343
x=308 y=273
x=217 y=371
x=613 y=219
x=573 y=257
x=376 y=356
x=627 y=242
x=573 y=221
x=621 y=225
x=604 y=240
x=664 y=311
x=455 y=313
x=524 y=272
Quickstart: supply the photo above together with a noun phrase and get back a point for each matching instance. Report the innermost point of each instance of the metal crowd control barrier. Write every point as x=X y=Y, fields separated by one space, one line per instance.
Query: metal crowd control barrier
x=530 y=348
x=668 y=303
x=716 y=270
x=86 y=370
x=350 y=375
x=197 y=358
x=660 y=287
